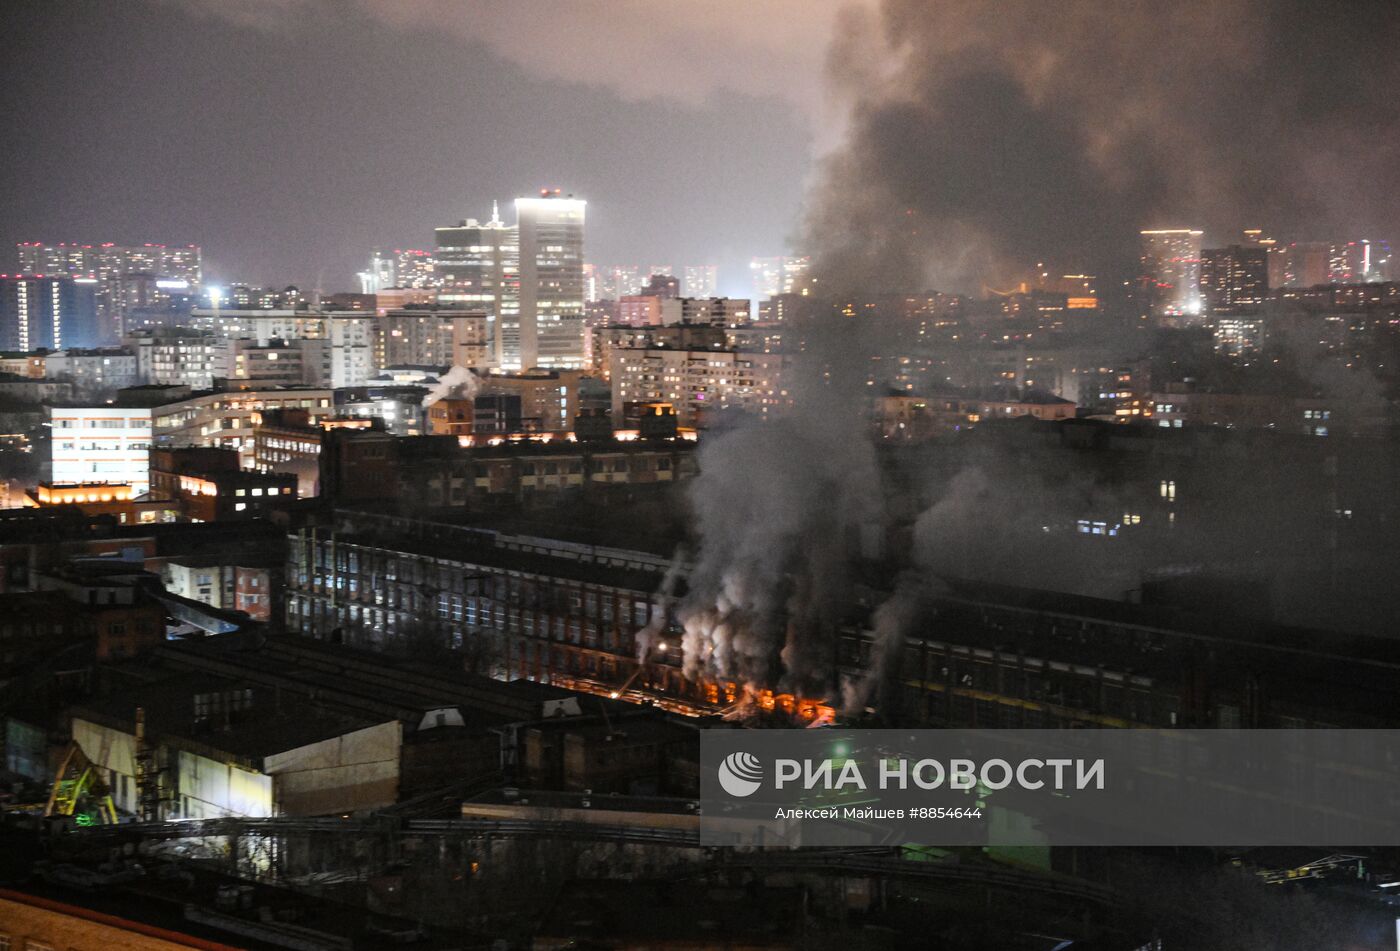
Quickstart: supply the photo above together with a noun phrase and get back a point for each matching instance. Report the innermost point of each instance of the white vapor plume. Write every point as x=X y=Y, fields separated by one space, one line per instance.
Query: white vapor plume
x=458 y=381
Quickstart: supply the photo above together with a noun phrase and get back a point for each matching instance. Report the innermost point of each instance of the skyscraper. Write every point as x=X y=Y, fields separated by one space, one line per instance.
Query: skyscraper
x=774 y=276
x=48 y=312
x=701 y=280
x=479 y=264
x=1277 y=251
x=172 y=269
x=767 y=277
x=796 y=279
x=550 y=327
x=592 y=283
x=1359 y=262
x=1170 y=274
x=527 y=276
x=1306 y=264
x=622 y=280
x=415 y=268
x=1234 y=278
x=381 y=274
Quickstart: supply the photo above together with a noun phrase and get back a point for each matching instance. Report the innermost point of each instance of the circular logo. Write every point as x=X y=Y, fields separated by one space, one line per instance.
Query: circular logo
x=741 y=774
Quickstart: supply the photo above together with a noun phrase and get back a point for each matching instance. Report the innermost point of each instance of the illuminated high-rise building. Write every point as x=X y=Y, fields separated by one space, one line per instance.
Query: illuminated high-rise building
x=381 y=274
x=1234 y=278
x=415 y=268
x=624 y=279
x=1306 y=264
x=767 y=277
x=1276 y=250
x=1170 y=274
x=1359 y=262
x=701 y=280
x=48 y=312
x=796 y=275
x=479 y=264
x=774 y=276
x=173 y=270
x=103 y=261
x=527 y=276
x=550 y=330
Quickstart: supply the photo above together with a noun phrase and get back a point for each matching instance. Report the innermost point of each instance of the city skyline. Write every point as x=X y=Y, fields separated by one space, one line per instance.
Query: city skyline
x=506 y=473
x=403 y=163
x=764 y=125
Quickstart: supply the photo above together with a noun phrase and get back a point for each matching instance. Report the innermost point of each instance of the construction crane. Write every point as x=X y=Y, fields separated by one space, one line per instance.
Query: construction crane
x=76 y=781
x=1352 y=866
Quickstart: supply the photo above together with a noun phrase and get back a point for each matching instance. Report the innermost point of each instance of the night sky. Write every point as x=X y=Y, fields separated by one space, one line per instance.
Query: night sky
x=906 y=144
x=291 y=137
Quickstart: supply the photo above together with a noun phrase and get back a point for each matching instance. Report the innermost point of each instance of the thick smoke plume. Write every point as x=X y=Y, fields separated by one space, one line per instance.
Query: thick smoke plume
x=984 y=136
x=778 y=506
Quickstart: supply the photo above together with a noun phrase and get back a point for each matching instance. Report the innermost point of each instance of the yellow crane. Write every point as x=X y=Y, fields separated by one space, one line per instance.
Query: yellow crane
x=77 y=780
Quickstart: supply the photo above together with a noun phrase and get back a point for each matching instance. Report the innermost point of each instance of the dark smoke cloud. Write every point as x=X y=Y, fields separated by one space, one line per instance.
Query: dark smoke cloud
x=778 y=509
x=985 y=136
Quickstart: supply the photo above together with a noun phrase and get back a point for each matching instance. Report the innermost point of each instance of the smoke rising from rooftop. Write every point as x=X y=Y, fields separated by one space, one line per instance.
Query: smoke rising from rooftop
x=779 y=506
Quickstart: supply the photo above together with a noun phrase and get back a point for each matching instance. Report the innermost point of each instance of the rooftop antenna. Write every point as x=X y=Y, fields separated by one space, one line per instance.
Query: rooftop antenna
x=495 y=212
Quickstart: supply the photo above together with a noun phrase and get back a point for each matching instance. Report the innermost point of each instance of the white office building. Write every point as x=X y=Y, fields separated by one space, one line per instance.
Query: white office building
x=102 y=444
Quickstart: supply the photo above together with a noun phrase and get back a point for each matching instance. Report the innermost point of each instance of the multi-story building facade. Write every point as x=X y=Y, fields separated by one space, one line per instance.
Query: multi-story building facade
x=639 y=310
x=229 y=419
x=701 y=280
x=124 y=277
x=549 y=399
x=621 y=280
x=381 y=274
x=104 y=443
x=782 y=275
x=94 y=371
x=48 y=312
x=177 y=356
x=548 y=609
x=1306 y=264
x=112 y=442
x=1359 y=262
x=611 y=337
x=254 y=365
x=551 y=331
x=479 y=264
x=1234 y=278
x=766 y=275
x=208 y=485
x=700 y=383
x=415 y=268
x=1239 y=335
x=104 y=260
x=29 y=364
x=400 y=407
x=346 y=356
x=720 y=311
x=527 y=276
x=1170 y=271
x=433 y=336
x=290 y=440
